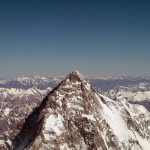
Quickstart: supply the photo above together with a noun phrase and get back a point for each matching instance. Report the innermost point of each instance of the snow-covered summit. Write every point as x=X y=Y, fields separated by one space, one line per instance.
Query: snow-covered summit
x=77 y=73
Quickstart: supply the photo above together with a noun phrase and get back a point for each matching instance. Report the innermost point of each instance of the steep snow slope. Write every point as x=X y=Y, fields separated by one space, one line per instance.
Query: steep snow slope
x=75 y=117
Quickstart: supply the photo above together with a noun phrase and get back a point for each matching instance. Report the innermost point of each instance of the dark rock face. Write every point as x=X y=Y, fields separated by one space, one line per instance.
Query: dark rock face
x=75 y=117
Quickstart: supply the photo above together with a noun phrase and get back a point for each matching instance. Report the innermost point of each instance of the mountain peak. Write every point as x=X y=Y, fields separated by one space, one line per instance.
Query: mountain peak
x=77 y=74
x=74 y=116
x=76 y=79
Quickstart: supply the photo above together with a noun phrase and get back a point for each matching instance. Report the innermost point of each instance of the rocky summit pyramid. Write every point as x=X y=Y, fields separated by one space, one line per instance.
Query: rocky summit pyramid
x=75 y=117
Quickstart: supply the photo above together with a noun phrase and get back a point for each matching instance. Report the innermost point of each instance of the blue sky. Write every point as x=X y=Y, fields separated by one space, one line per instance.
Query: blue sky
x=54 y=37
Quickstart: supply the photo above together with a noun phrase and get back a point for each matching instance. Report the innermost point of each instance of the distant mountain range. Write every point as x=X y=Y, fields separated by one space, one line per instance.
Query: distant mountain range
x=105 y=83
x=29 y=82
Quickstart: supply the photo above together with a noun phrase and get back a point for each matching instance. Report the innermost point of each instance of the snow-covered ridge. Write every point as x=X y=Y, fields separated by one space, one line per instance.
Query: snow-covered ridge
x=14 y=93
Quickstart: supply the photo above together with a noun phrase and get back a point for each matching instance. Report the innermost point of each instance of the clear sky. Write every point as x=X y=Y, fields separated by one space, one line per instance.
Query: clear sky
x=55 y=37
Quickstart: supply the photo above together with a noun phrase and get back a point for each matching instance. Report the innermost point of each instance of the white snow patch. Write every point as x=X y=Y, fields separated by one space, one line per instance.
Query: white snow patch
x=143 y=142
x=2 y=142
x=48 y=136
x=54 y=123
x=70 y=105
x=9 y=142
x=64 y=147
x=136 y=147
x=83 y=145
x=6 y=111
x=89 y=117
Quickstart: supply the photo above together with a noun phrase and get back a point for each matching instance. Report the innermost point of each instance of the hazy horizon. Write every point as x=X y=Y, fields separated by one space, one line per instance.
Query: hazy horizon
x=64 y=75
x=53 y=38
